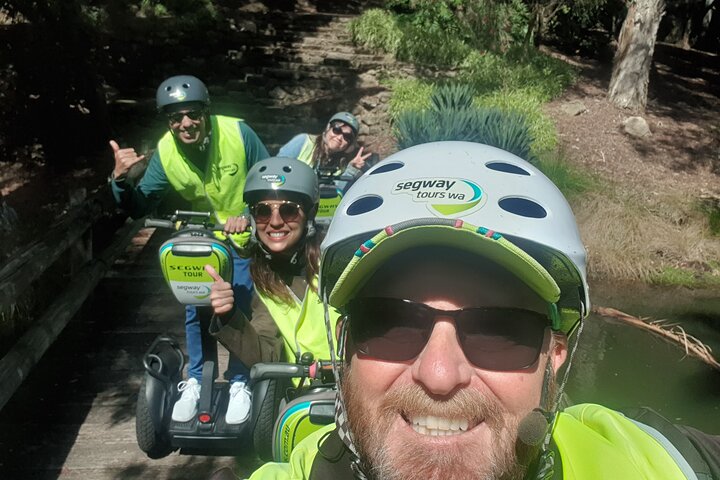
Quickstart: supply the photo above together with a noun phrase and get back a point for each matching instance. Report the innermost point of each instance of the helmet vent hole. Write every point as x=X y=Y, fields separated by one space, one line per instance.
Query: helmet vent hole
x=263 y=168
x=506 y=168
x=388 y=167
x=186 y=86
x=364 y=205
x=523 y=207
x=287 y=169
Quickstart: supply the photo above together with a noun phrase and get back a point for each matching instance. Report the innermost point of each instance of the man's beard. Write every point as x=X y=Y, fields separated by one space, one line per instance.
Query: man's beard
x=387 y=459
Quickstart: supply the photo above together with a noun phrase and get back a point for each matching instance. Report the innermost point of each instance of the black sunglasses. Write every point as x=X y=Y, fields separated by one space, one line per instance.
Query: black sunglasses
x=348 y=136
x=177 y=117
x=492 y=338
x=289 y=211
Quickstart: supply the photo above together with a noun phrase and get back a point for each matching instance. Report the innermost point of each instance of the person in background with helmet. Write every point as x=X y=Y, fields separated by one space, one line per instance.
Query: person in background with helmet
x=335 y=149
x=205 y=159
x=287 y=314
x=463 y=296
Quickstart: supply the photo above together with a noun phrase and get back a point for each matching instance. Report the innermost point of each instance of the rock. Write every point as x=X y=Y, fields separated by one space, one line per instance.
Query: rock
x=383 y=97
x=278 y=93
x=247 y=26
x=371 y=120
x=574 y=108
x=367 y=80
x=364 y=129
x=254 y=7
x=369 y=103
x=636 y=127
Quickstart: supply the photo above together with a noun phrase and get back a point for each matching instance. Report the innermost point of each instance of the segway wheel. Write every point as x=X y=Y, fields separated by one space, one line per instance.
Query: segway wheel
x=265 y=424
x=154 y=444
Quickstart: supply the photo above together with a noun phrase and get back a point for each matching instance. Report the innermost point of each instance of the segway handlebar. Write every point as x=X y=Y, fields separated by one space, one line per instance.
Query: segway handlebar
x=185 y=219
x=316 y=370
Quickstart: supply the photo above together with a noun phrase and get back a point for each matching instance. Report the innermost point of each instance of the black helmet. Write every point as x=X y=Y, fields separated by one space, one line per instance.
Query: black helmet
x=347 y=118
x=283 y=177
x=181 y=89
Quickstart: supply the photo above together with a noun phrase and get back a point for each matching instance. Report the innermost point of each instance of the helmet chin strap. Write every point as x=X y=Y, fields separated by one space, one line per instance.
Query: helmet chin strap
x=206 y=142
x=310 y=231
x=537 y=427
x=341 y=420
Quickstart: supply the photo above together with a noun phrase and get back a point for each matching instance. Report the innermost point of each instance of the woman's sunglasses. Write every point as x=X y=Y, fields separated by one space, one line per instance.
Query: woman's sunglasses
x=348 y=136
x=177 y=117
x=492 y=338
x=289 y=211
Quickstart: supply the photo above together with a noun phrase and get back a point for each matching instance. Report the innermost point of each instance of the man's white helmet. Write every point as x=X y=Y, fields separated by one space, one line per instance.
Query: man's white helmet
x=468 y=196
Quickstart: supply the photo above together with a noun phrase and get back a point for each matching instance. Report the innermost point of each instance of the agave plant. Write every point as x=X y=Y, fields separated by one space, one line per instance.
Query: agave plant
x=452 y=116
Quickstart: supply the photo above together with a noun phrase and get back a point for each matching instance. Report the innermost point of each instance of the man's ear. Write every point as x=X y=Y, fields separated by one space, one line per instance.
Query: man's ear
x=558 y=350
x=338 y=328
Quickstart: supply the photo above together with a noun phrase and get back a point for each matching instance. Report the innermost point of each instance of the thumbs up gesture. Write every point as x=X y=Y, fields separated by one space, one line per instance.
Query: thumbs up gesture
x=124 y=159
x=221 y=293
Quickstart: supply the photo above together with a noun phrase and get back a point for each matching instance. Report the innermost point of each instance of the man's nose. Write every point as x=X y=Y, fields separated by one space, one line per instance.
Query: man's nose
x=186 y=122
x=442 y=367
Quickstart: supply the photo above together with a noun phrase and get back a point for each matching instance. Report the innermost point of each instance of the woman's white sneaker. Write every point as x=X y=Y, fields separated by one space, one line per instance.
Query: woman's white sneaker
x=187 y=406
x=239 y=404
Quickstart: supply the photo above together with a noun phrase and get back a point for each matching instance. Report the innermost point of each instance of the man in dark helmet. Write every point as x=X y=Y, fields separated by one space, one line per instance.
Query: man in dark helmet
x=205 y=159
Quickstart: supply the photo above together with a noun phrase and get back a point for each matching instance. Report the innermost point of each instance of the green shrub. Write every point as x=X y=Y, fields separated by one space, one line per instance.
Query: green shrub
x=408 y=94
x=520 y=68
x=525 y=102
x=436 y=47
x=376 y=30
x=381 y=31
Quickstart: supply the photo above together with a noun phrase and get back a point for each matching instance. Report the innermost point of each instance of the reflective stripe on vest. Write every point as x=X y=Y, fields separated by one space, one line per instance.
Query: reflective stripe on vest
x=302 y=324
x=598 y=443
x=220 y=188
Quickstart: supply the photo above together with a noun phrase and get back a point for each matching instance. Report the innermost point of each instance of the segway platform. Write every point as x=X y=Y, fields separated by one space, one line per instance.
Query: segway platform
x=208 y=431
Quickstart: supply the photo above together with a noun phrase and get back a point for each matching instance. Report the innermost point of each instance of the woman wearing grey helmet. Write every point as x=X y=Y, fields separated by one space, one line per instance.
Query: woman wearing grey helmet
x=335 y=149
x=287 y=314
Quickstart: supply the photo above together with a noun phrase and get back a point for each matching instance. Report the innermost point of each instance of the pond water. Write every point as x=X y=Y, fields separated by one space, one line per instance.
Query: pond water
x=622 y=366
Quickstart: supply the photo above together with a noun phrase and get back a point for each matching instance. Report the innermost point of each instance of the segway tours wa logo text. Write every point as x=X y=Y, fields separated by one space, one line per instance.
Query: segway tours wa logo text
x=449 y=197
x=276 y=181
x=178 y=95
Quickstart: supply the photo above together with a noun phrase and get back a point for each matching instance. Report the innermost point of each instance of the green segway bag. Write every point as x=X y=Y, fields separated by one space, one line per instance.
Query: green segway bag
x=183 y=259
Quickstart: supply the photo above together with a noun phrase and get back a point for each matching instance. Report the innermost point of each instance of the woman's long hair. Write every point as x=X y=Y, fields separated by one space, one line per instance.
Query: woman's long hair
x=268 y=281
x=321 y=159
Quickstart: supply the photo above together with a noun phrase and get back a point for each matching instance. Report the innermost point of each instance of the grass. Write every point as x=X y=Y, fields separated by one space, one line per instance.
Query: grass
x=571 y=181
x=659 y=240
x=690 y=278
x=711 y=210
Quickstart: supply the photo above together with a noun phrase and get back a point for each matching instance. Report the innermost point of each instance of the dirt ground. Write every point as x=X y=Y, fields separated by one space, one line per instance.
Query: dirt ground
x=668 y=171
x=683 y=113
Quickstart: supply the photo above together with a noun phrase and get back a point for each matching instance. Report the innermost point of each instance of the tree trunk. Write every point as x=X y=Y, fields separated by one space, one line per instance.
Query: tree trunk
x=631 y=66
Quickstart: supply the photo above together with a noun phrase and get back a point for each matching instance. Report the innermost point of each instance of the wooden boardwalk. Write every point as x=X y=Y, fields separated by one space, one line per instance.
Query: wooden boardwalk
x=74 y=416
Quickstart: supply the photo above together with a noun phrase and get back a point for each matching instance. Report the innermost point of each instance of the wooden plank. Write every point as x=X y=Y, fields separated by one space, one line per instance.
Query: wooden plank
x=18 y=362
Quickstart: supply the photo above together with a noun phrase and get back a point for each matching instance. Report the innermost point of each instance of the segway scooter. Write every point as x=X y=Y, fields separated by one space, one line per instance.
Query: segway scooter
x=333 y=185
x=304 y=406
x=330 y=196
x=183 y=258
